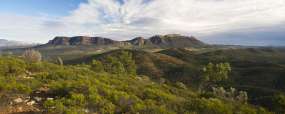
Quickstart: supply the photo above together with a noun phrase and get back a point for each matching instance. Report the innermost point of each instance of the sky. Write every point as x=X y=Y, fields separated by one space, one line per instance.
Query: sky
x=240 y=22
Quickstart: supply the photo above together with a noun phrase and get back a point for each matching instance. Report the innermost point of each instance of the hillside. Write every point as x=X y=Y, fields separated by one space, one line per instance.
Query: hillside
x=260 y=67
x=43 y=87
x=252 y=66
x=151 y=64
x=259 y=71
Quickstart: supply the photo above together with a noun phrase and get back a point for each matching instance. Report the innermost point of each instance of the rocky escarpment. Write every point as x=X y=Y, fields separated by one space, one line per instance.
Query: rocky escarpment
x=171 y=40
x=81 y=40
x=162 y=41
x=138 y=41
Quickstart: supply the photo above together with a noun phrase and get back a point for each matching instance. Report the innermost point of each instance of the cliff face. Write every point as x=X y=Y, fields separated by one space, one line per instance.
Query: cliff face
x=138 y=41
x=172 y=40
x=164 y=41
x=59 y=41
x=81 y=40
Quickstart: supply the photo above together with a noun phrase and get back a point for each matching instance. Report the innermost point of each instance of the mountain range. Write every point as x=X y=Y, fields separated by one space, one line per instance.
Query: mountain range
x=176 y=58
x=10 y=43
x=162 y=41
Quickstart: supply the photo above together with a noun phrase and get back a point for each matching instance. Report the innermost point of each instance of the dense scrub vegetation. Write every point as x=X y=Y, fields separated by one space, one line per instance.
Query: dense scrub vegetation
x=112 y=86
x=258 y=71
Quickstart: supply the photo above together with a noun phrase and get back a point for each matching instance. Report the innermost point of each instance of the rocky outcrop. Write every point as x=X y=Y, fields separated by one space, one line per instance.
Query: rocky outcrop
x=59 y=41
x=138 y=41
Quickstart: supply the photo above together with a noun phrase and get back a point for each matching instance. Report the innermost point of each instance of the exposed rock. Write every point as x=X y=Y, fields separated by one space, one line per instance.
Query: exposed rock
x=19 y=109
x=157 y=39
x=80 y=40
x=103 y=41
x=27 y=100
x=50 y=98
x=174 y=41
x=28 y=77
x=38 y=99
x=139 y=41
x=59 y=41
x=31 y=103
x=86 y=111
x=18 y=100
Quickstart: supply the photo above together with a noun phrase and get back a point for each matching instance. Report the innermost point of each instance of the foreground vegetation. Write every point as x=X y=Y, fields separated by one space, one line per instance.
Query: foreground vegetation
x=112 y=86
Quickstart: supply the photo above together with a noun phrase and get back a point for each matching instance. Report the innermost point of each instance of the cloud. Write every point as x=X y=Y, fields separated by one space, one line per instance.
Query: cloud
x=201 y=17
x=125 y=19
x=21 y=28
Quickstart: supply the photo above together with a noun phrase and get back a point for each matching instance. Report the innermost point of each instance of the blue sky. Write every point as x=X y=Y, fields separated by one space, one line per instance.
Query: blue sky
x=243 y=22
x=36 y=7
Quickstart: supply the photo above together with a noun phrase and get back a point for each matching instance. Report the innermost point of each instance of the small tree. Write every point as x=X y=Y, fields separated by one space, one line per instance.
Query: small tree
x=213 y=73
x=126 y=59
x=242 y=97
x=118 y=68
x=59 y=61
x=32 y=56
x=114 y=66
x=232 y=94
x=181 y=85
x=97 y=66
x=122 y=63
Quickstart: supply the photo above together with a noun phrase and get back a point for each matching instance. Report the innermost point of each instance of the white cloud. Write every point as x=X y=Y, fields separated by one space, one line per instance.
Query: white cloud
x=147 y=17
x=22 y=28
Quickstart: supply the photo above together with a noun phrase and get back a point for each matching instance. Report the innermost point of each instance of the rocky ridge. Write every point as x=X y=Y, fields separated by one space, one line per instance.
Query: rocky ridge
x=171 y=40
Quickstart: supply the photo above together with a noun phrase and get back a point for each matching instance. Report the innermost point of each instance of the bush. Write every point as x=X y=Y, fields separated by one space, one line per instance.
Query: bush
x=32 y=56
x=11 y=66
x=97 y=66
x=78 y=89
x=181 y=85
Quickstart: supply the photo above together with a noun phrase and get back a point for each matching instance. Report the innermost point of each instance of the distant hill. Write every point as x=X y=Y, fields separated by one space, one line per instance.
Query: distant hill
x=80 y=46
x=82 y=40
x=167 y=41
x=10 y=43
x=157 y=41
